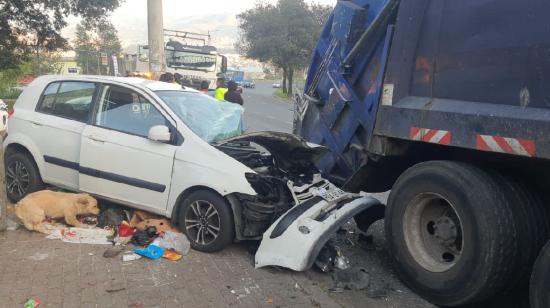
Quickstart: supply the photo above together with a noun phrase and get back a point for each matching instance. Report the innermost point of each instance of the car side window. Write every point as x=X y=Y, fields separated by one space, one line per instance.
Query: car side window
x=68 y=99
x=126 y=111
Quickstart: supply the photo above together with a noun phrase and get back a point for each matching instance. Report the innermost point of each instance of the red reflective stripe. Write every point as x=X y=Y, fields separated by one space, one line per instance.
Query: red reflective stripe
x=482 y=145
x=446 y=140
x=414 y=132
x=428 y=136
x=503 y=144
x=529 y=146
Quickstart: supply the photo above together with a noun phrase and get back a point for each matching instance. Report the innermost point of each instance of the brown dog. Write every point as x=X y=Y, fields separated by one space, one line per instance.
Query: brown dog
x=36 y=207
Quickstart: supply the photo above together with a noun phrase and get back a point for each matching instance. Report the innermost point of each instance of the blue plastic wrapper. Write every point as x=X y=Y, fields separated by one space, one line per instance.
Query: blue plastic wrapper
x=210 y=119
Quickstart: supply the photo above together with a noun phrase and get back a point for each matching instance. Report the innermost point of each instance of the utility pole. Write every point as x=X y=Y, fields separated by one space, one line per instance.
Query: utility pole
x=156 y=36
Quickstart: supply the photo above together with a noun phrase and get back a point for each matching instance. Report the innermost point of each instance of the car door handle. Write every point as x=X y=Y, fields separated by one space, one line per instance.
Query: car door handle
x=96 y=138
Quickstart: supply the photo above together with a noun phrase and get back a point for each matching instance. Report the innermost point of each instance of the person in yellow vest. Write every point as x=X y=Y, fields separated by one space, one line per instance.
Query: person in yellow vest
x=221 y=89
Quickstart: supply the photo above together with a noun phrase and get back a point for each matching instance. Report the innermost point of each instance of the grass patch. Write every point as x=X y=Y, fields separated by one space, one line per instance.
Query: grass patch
x=279 y=93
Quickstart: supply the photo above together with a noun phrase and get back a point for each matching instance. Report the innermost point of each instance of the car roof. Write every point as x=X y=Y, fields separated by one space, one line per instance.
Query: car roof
x=152 y=85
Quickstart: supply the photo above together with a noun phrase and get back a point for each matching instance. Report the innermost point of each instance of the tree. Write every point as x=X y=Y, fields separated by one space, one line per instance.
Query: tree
x=283 y=34
x=91 y=41
x=26 y=25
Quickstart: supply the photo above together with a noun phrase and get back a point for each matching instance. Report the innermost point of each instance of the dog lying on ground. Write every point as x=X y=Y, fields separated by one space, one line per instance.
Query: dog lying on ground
x=35 y=208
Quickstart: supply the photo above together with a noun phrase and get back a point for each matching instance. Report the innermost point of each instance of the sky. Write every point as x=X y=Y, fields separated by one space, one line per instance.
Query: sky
x=216 y=16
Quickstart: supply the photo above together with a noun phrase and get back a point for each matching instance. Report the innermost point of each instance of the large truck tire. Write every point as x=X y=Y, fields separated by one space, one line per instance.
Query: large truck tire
x=451 y=232
x=539 y=296
x=532 y=223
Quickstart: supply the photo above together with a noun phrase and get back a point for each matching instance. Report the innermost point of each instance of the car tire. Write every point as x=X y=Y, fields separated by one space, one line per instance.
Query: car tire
x=207 y=220
x=539 y=297
x=22 y=176
x=451 y=233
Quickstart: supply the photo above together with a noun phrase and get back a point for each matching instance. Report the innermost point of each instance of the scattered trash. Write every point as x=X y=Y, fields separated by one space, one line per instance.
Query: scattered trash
x=176 y=242
x=136 y=304
x=355 y=278
x=144 y=237
x=142 y=220
x=172 y=256
x=130 y=256
x=111 y=217
x=38 y=256
x=341 y=262
x=82 y=235
x=32 y=303
x=330 y=257
x=269 y=300
x=379 y=292
x=112 y=252
x=122 y=240
x=152 y=252
x=124 y=230
x=90 y=254
x=325 y=259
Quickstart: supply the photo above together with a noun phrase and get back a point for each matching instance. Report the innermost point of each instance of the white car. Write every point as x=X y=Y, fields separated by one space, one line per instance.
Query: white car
x=175 y=152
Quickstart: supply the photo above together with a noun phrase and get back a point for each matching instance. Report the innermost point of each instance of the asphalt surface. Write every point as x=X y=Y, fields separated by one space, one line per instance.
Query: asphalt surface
x=266 y=112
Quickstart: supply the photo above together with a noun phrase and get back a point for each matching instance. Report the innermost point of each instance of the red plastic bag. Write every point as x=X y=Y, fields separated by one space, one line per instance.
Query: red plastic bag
x=125 y=230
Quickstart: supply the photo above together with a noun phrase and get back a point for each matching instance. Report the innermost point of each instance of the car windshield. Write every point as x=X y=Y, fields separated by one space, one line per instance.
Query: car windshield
x=210 y=119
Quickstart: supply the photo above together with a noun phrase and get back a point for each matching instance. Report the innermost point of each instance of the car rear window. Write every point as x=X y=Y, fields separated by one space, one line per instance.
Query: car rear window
x=68 y=99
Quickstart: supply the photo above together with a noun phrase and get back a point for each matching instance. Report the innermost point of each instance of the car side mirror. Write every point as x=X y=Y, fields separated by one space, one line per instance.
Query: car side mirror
x=159 y=133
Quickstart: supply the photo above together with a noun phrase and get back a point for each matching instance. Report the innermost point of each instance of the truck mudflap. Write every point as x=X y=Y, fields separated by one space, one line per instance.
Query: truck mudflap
x=296 y=238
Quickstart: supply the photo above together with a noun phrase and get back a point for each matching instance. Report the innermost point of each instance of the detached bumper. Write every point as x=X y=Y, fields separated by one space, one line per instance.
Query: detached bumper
x=297 y=237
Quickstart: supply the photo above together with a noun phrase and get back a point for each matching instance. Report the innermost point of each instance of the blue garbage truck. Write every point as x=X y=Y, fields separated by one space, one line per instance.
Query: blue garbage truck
x=446 y=104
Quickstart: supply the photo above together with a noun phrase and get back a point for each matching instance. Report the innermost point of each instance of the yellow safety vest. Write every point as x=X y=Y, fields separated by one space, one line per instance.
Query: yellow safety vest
x=219 y=94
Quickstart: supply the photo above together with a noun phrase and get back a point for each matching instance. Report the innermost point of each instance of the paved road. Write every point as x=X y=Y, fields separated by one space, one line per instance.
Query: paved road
x=266 y=112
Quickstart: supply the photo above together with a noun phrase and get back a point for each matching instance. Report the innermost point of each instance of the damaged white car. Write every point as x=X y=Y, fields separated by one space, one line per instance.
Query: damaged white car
x=179 y=153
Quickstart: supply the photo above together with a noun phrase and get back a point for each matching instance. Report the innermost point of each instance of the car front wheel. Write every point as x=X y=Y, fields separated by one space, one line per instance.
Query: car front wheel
x=207 y=220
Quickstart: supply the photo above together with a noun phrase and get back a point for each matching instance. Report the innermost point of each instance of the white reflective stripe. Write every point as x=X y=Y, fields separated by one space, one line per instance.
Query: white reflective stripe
x=492 y=144
x=517 y=147
x=438 y=136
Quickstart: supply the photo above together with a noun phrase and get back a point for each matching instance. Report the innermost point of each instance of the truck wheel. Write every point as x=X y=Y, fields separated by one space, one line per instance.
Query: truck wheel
x=539 y=296
x=451 y=232
x=532 y=222
x=22 y=176
x=206 y=219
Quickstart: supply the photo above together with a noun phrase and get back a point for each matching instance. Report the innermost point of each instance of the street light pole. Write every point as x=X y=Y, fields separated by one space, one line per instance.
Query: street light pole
x=155 y=36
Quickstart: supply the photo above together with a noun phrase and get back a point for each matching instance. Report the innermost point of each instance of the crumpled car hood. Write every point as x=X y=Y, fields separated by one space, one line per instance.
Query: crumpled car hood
x=286 y=148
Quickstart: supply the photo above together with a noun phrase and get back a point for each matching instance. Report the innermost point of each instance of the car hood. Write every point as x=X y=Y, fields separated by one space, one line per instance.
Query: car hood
x=286 y=148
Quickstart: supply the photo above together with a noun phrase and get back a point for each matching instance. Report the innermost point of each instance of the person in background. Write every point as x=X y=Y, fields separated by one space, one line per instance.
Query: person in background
x=233 y=94
x=178 y=78
x=167 y=77
x=220 y=89
x=204 y=86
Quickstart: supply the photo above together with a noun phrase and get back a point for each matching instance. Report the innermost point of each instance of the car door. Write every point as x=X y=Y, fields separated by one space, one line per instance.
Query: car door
x=56 y=128
x=117 y=160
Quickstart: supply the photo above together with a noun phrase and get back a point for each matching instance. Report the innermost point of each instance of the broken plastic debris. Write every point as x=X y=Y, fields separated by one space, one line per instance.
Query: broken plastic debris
x=355 y=278
x=130 y=256
x=152 y=252
x=172 y=256
x=175 y=241
x=269 y=300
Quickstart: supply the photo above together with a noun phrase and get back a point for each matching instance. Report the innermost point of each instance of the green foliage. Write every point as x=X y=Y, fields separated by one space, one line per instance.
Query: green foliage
x=90 y=42
x=283 y=34
x=28 y=24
